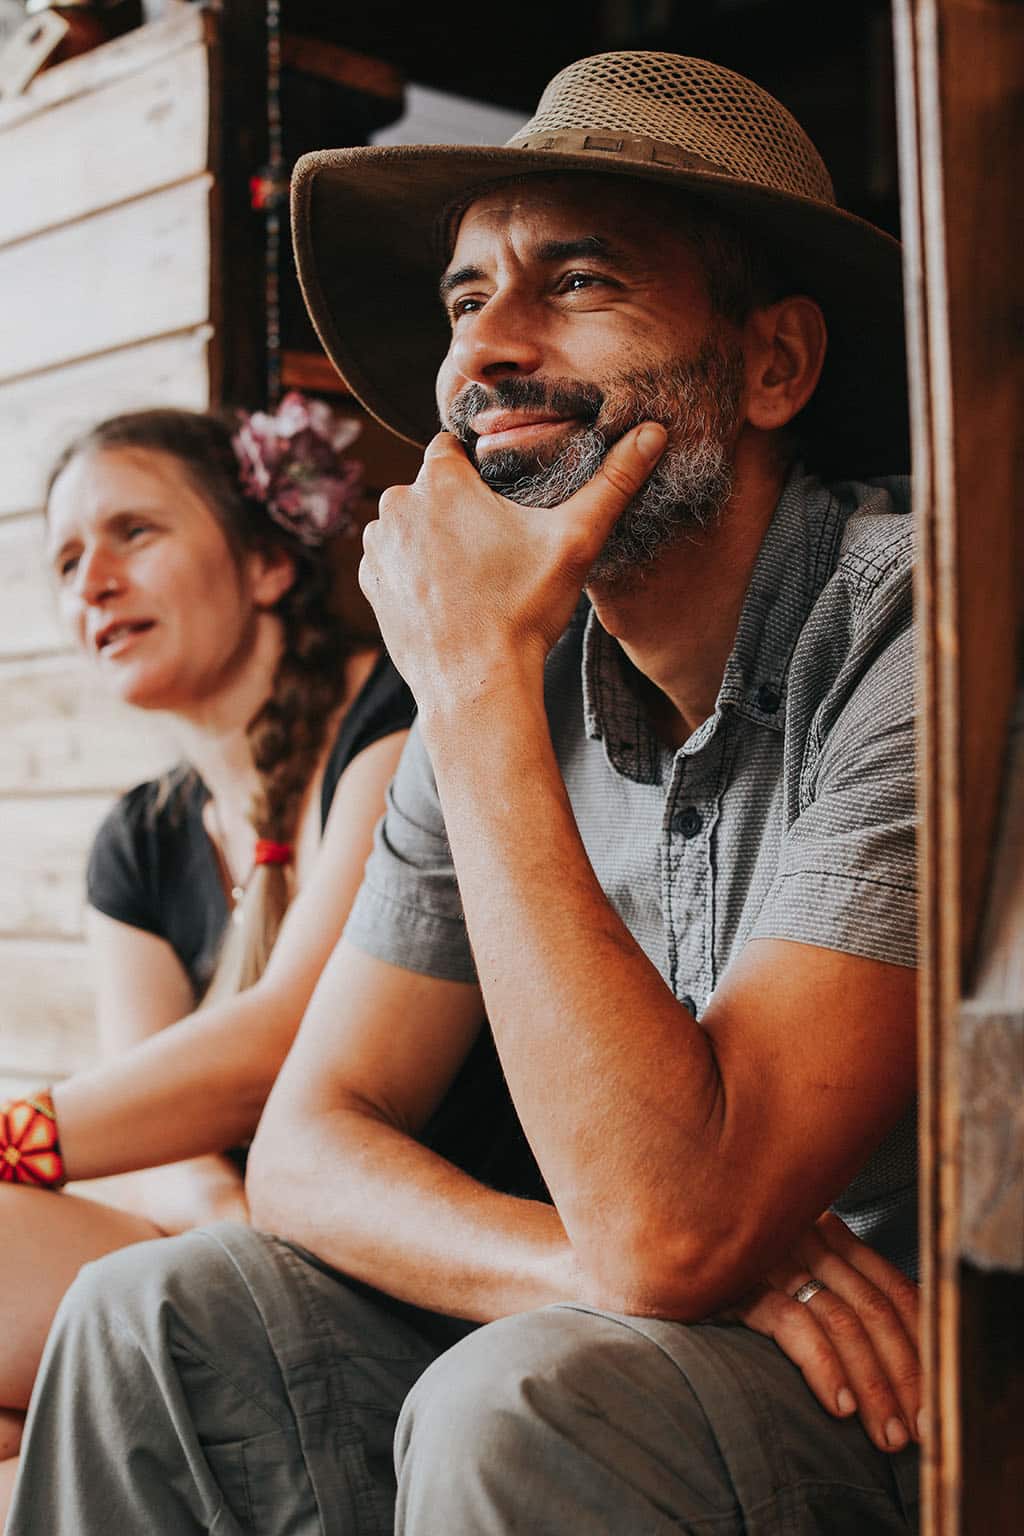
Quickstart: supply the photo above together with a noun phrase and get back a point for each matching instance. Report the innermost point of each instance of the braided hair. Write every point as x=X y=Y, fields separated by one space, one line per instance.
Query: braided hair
x=286 y=735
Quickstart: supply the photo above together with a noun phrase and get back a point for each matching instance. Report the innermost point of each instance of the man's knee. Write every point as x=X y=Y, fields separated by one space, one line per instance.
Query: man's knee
x=521 y=1378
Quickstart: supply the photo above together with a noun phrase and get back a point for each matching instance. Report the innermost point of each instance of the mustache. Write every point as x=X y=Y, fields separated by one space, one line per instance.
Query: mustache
x=562 y=397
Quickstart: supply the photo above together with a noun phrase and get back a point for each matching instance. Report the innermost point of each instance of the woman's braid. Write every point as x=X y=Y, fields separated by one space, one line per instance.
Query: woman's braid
x=286 y=736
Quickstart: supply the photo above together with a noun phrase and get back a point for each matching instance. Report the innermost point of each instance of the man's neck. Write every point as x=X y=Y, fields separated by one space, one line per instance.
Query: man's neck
x=677 y=621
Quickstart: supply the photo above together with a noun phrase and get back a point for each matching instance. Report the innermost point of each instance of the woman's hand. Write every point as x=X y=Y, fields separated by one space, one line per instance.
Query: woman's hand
x=856 y=1340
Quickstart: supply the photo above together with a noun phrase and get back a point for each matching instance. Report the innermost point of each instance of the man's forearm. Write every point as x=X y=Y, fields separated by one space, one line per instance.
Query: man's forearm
x=377 y=1205
x=615 y=1083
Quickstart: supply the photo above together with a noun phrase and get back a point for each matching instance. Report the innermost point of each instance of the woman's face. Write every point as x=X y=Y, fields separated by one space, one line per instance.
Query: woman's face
x=147 y=582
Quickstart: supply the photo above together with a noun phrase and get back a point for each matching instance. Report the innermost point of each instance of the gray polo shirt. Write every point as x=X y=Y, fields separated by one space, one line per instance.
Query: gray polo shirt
x=788 y=814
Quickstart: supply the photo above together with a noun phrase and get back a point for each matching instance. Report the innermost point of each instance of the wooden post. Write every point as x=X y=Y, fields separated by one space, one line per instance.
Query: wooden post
x=960 y=89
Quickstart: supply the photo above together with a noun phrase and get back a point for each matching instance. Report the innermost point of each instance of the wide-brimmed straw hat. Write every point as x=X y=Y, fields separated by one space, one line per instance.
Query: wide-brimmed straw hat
x=365 y=223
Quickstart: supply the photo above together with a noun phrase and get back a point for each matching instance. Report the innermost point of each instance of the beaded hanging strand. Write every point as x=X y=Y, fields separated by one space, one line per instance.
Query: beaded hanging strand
x=269 y=193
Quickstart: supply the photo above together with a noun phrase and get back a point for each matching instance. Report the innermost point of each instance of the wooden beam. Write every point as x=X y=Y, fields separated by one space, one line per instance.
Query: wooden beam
x=343 y=66
x=960 y=90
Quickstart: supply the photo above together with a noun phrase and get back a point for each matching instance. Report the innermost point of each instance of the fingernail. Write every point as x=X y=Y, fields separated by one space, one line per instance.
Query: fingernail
x=846 y=1401
x=896 y=1434
x=650 y=440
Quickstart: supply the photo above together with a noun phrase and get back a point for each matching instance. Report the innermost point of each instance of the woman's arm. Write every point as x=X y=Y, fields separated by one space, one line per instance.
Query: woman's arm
x=200 y=1087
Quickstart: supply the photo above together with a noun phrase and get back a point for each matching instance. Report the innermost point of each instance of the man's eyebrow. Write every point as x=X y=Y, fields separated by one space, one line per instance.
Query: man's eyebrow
x=585 y=245
x=552 y=251
x=456 y=278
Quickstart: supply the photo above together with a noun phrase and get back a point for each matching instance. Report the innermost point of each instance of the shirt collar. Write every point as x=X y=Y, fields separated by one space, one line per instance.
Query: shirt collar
x=796 y=557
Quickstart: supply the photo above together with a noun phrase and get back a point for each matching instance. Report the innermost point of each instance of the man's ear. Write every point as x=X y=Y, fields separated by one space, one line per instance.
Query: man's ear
x=785 y=347
x=272 y=572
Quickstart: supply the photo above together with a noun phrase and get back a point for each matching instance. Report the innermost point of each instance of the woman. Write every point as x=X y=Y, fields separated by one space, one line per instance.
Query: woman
x=188 y=564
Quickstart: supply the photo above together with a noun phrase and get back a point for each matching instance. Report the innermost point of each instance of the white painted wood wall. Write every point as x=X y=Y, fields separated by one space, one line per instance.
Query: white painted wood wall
x=105 y=257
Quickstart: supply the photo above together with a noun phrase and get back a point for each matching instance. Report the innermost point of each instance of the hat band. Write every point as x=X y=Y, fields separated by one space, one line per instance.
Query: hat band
x=625 y=146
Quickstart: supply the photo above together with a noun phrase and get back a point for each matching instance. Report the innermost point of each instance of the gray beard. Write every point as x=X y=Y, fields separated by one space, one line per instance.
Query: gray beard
x=697 y=401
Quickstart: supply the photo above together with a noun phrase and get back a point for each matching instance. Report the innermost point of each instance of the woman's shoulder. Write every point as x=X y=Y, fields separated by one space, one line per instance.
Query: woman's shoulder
x=382 y=706
x=134 y=839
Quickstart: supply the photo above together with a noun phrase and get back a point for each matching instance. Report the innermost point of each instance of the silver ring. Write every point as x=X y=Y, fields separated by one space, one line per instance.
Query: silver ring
x=807 y=1290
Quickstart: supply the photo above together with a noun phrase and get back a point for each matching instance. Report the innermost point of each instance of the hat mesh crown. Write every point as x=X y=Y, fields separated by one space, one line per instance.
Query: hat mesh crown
x=690 y=103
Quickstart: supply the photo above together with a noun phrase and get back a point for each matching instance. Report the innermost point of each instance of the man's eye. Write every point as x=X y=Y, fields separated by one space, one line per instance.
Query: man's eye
x=467 y=305
x=575 y=282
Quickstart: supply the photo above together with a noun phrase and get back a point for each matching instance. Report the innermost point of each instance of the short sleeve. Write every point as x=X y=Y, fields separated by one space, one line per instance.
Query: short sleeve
x=846 y=877
x=117 y=882
x=408 y=911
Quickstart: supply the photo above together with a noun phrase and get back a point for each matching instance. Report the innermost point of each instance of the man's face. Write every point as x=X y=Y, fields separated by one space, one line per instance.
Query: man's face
x=579 y=309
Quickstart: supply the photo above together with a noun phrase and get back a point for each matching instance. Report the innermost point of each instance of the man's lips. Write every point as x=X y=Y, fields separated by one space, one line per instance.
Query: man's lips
x=117 y=635
x=514 y=429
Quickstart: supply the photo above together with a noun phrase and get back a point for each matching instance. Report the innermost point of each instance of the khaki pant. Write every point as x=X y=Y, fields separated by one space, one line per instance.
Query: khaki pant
x=226 y=1382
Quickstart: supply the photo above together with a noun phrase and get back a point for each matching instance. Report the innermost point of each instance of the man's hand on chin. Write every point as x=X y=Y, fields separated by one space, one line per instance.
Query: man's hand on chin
x=471 y=589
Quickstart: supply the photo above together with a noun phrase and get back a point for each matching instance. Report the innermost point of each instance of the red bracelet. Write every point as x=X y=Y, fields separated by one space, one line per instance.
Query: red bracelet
x=29 y=1145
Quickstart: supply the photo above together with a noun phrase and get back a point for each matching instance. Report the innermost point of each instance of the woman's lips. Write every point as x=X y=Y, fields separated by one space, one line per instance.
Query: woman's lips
x=117 y=638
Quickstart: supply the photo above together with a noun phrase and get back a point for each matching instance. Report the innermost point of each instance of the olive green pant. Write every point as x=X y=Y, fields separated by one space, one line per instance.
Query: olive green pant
x=226 y=1382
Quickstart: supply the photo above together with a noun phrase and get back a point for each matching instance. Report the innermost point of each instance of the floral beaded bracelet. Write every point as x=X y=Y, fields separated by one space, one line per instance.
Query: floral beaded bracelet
x=29 y=1145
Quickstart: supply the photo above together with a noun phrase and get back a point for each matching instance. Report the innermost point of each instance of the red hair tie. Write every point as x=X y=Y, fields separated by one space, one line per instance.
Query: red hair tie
x=269 y=852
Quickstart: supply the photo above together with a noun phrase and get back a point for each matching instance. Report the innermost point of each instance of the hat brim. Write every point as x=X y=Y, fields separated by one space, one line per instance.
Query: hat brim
x=365 y=219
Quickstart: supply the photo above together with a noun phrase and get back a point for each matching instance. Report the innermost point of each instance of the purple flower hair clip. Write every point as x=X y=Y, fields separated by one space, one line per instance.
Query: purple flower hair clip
x=292 y=462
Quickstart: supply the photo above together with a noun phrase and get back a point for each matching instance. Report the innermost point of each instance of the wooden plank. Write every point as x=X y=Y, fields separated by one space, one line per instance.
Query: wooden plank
x=960 y=95
x=41 y=414
x=127 y=275
x=343 y=66
x=44 y=845
x=48 y=1028
x=28 y=609
x=64 y=732
x=992 y=1202
x=107 y=146
x=991 y=1049
x=181 y=26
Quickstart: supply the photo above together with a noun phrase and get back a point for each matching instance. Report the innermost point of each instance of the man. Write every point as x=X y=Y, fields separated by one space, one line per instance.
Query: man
x=662 y=834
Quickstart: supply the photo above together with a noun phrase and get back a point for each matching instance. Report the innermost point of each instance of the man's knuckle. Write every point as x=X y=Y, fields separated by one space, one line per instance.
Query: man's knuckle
x=841 y=1321
x=876 y=1310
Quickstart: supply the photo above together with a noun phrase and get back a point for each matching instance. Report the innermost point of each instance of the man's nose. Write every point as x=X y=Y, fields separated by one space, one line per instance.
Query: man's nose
x=501 y=339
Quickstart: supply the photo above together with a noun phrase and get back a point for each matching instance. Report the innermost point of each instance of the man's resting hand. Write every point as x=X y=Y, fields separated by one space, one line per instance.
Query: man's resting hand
x=856 y=1341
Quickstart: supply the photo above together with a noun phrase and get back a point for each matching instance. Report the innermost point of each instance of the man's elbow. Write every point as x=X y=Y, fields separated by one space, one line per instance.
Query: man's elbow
x=681 y=1277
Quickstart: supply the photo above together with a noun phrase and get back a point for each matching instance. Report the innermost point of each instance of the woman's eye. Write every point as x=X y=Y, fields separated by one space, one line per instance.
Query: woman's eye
x=134 y=529
x=67 y=566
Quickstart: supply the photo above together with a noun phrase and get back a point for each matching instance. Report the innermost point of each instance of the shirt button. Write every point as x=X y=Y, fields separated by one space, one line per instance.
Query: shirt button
x=688 y=1002
x=688 y=821
x=767 y=700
